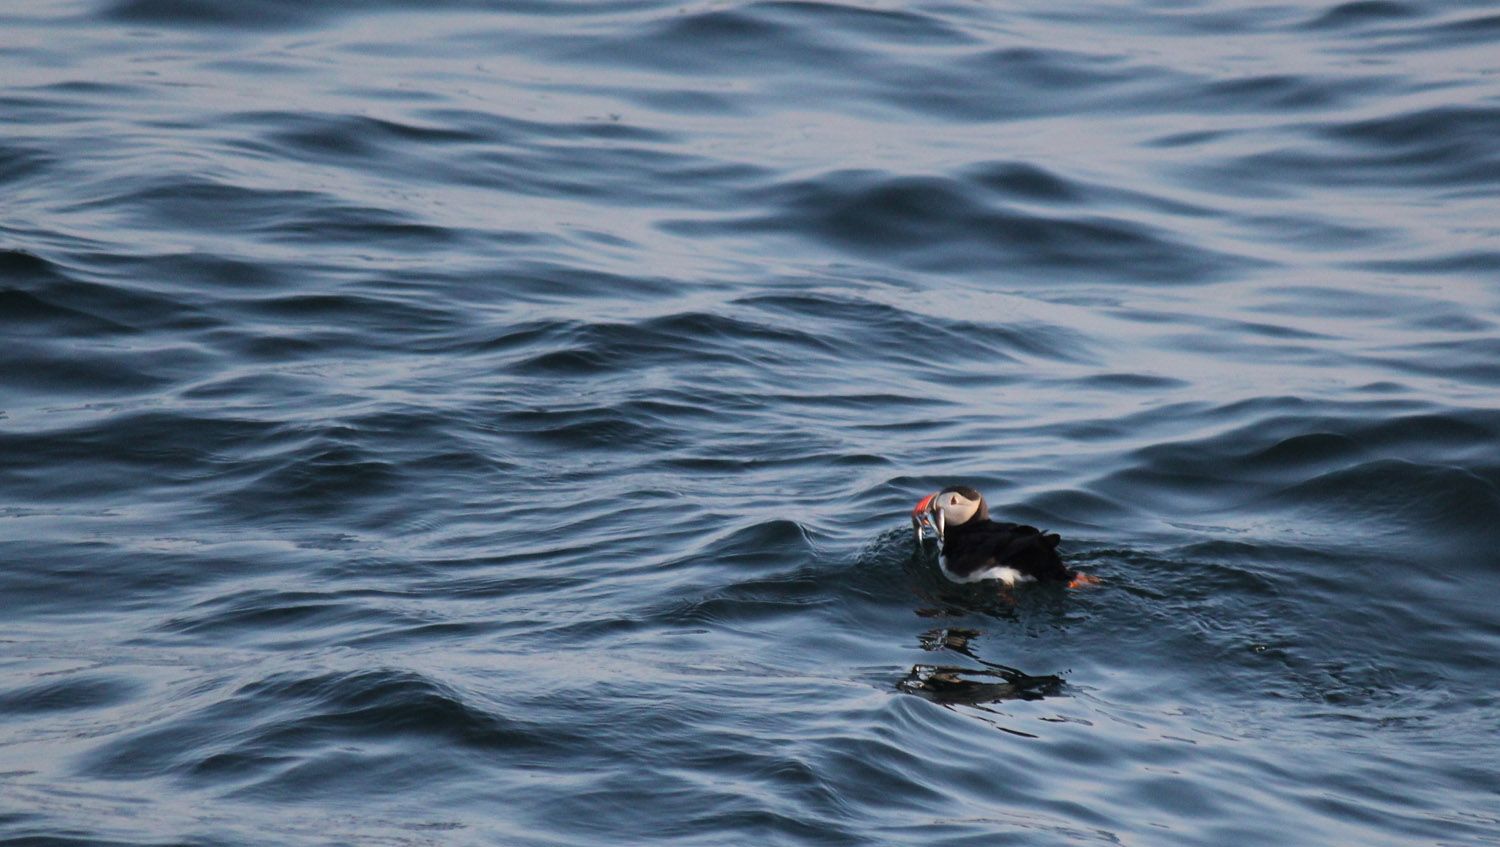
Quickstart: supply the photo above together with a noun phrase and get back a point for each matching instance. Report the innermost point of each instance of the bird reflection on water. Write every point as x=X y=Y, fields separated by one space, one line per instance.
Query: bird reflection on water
x=953 y=685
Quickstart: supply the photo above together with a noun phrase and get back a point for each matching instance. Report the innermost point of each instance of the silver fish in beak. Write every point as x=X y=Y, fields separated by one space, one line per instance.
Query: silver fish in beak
x=927 y=520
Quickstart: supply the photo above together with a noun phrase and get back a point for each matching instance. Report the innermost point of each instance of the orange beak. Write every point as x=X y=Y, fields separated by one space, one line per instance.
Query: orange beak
x=924 y=521
x=923 y=504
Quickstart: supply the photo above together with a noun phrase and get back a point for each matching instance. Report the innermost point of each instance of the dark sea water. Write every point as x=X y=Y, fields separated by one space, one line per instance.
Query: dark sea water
x=468 y=423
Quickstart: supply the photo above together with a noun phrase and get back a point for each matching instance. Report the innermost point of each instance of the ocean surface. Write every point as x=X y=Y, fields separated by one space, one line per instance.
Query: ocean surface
x=495 y=423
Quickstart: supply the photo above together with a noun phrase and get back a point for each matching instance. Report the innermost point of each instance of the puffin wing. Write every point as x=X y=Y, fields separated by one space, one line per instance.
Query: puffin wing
x=1024 y=548
x=1034 y=553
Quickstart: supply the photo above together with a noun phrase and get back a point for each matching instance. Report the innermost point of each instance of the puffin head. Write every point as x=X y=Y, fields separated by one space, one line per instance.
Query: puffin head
x=953 y=506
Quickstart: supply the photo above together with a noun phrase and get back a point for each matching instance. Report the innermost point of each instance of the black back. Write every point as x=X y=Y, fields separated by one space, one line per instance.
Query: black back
x=981 y=543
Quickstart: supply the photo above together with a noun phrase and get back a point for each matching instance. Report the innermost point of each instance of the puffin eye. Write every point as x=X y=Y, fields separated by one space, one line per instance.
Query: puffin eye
x=953 y=501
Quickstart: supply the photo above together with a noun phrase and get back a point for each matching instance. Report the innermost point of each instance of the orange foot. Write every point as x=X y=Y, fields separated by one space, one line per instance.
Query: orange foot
x=1083 y=580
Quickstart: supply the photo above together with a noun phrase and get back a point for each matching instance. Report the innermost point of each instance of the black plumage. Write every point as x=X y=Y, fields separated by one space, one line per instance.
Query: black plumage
x=979 y=544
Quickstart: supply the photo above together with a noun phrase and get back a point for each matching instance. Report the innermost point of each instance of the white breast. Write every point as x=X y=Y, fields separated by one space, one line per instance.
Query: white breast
x=1009 y=576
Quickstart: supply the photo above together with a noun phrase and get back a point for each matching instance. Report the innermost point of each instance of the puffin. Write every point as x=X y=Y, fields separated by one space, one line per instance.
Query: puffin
x=972 y=547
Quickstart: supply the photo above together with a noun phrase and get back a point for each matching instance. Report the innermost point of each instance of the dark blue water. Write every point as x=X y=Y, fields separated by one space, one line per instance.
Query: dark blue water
x=429 y=423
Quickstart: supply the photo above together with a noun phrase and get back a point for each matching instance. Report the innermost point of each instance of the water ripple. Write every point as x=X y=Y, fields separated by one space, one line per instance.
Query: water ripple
x=496 y=423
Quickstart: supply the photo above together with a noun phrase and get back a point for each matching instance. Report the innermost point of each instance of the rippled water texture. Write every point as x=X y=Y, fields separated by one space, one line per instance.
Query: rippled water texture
x=493 y=423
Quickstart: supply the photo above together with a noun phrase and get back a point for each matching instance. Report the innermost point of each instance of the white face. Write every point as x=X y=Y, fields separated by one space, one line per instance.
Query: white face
x=955 y=508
